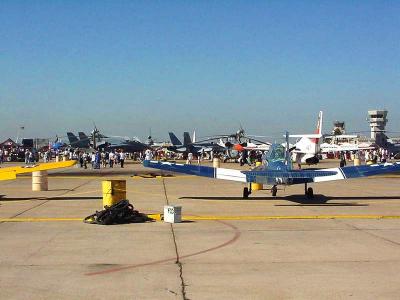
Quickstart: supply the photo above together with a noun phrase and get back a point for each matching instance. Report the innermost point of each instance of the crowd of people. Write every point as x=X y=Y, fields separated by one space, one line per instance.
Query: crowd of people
x=374 y=156
x=111 y=158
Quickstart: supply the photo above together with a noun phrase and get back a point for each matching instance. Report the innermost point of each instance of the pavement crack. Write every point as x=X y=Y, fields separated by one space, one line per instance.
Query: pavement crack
x=368 y=232
x=177 y=261
x=180 y=266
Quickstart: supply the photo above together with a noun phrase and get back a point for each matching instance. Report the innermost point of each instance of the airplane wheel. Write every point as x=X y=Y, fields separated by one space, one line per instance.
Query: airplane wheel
x=246 y=193
x=310 y=193
x=274 y=190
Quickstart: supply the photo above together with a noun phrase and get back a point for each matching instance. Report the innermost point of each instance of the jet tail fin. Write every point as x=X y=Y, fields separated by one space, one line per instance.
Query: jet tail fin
x=174 y=140
x=72 y=138
x=186 y=138
x=84 y=140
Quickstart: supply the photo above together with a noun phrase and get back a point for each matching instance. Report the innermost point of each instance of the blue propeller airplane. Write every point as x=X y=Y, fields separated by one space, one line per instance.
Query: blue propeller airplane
x=277 y=170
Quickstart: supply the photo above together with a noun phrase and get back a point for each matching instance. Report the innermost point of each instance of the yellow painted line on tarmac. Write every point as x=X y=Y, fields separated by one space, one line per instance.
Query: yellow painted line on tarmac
x=39 y=219
x=261 y=218
x=158 y=217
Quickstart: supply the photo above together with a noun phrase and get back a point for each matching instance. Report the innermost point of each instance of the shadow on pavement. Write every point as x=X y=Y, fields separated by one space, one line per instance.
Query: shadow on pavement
x=318 y=200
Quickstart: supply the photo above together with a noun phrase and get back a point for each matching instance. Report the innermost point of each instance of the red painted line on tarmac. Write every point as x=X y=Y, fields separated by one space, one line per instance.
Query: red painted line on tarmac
x=232 y=240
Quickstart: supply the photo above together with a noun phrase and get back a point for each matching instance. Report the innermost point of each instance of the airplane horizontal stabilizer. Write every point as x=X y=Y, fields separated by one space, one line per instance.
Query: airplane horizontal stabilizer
x=310 y=136
x=11 y=172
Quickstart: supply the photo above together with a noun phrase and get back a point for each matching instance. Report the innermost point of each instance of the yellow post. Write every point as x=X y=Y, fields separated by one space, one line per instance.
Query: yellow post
x=113 y=191
x=257 y=186
x=356 y=161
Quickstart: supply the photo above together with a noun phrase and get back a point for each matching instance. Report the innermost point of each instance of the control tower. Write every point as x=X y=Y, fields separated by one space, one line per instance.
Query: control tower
x=338 y=128
x=377 y=121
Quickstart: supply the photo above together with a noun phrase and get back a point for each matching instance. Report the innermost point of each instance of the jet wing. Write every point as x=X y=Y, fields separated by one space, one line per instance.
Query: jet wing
x=12 y=172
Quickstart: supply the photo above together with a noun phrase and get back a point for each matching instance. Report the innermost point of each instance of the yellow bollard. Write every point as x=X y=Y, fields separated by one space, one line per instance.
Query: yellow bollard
x=356 y=161
x=113 y=191
x=257 y=186
x=39 y=181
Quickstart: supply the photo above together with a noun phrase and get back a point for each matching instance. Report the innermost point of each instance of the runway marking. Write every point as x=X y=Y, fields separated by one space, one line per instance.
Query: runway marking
x=262 y=218
x=158 y=217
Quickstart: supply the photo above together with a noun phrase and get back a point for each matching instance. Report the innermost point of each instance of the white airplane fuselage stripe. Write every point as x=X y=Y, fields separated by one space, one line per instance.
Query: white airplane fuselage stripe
x=338 y=176
x=229 y=174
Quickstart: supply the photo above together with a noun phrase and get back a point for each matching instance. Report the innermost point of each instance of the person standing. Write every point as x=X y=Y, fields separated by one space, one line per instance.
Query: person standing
x=85 y=158
x=111 y=158
x=342 y=159
x=189 y=158
x=298 y=160
x=148 y=155
x=27 y=156
x=122 y=157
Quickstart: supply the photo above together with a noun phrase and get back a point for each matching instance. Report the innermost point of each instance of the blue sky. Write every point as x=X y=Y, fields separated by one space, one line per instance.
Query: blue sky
x=205 y=65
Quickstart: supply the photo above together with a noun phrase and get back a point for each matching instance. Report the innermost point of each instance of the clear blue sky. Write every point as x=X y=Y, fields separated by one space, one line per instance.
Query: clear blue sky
x=208 y=65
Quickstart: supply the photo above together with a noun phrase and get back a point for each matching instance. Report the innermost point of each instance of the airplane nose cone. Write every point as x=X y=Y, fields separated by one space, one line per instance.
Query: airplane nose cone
x=238 y=147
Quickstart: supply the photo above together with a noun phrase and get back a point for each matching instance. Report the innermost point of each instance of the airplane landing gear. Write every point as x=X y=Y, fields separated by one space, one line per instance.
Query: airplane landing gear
x=246 y=192
x=309 y=192
x=274 y=190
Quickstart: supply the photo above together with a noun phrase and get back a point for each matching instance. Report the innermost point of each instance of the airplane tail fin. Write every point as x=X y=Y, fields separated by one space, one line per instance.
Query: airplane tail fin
x=186 y=138
x=72 y=138
x=174 y=140
x=319 y=128
x=309 y=143
x=84 y=140
x=319 y=123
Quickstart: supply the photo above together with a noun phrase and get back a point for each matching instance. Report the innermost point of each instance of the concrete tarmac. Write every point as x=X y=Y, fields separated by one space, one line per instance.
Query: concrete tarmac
x=343 y=244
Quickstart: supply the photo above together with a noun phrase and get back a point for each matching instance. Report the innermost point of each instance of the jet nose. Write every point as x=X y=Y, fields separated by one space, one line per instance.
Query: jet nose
x=238 y=147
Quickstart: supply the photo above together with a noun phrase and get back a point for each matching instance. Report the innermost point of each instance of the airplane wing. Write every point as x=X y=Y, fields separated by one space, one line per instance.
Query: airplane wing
x=289 y=174
x=320 y=175
x=219 y=173
x=12 y=172
x=264 y=176
x=310 y=136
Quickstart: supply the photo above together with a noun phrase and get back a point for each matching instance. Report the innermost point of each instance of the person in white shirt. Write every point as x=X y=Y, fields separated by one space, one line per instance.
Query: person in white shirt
x=148 y=155
x=189 y=158
x=122 y=157
x=111 y=158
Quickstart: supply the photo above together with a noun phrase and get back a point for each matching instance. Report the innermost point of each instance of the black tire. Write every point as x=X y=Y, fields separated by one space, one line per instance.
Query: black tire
x=246 y=193
x=310 y=193
x=274 y=190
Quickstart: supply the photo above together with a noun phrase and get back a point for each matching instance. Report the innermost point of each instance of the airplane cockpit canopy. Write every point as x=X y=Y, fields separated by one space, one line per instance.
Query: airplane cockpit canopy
x=276 y=153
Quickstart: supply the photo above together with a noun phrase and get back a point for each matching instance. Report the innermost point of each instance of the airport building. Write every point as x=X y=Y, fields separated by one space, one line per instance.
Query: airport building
x=377 y=121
